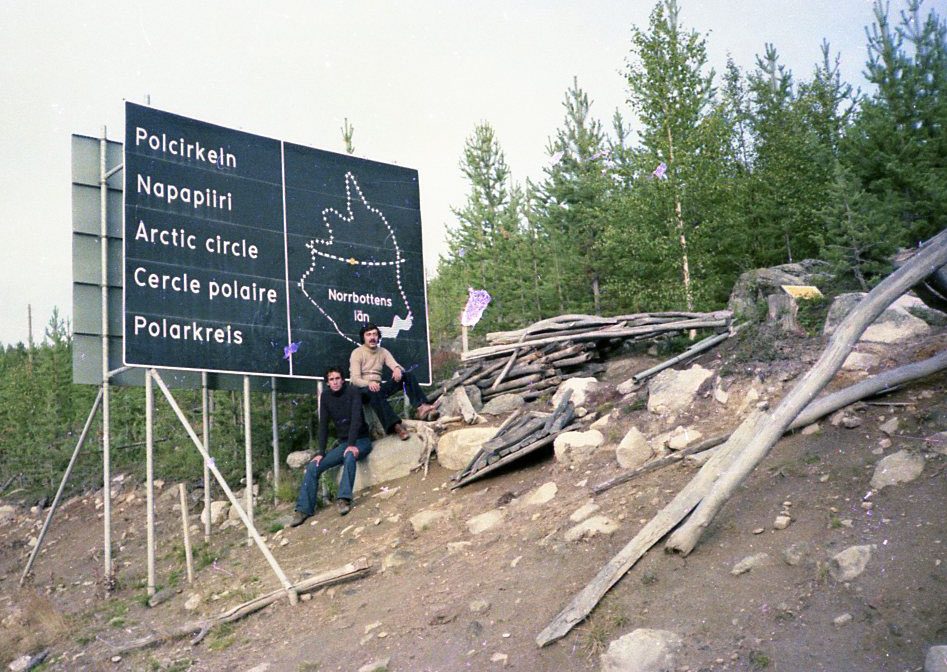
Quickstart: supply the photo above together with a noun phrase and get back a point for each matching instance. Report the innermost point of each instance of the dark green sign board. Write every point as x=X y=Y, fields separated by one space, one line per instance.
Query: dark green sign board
x=245 y=254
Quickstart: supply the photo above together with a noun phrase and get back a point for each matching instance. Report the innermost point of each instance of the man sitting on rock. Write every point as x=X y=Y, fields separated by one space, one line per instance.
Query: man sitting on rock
x=343 y=404
x=365 y=371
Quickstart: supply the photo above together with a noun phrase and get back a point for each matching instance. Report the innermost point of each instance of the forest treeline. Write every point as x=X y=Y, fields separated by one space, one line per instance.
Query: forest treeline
x=725 y=172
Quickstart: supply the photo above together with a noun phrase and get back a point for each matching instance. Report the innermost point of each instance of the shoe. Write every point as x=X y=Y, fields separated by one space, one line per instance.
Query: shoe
x=427 y=412
x=401 y=432
x=343 y=505
x=298 y=518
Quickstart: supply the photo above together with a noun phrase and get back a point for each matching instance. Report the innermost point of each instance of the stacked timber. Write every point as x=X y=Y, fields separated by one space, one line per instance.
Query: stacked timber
x=521 y=434
x=539 y=357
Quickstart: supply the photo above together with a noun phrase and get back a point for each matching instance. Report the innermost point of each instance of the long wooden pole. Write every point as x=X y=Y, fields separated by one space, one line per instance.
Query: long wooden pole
x=248 y=453
x=205 y=426
x=186 y=532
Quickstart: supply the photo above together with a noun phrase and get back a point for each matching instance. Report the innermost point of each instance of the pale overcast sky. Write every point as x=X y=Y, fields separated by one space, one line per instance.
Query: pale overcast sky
x=413 y=77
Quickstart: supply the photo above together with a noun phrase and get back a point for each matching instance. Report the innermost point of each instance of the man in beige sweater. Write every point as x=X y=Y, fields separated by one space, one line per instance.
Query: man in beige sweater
x=366 y=365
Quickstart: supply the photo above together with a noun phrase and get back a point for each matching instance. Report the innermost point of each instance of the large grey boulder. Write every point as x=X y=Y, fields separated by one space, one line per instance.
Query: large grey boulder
x=503 y=404
x=456 y=449
x=633 y=451
x=299 y=458
x=900 y=467
x=671 y=391
x=642 y=650
x=390 y=459
x=754 y=286
x=894 y=325
x=570 y=447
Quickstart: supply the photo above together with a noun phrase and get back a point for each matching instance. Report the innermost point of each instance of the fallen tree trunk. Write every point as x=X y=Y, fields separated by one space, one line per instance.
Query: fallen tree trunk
x=928 y=259
x=203 y=626
x=665 y=520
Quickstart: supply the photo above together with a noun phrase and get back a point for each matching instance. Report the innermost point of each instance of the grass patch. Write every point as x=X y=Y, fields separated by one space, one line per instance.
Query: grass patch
x=812 y=314
x=598 y=630
x=759 y=660
x=221 y=637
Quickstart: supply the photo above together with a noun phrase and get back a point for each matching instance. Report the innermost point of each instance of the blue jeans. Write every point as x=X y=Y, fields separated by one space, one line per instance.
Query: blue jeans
x=306 y=502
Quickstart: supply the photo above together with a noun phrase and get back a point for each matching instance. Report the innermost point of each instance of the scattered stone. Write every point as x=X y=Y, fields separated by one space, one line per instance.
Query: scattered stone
x=484 y=521
x=602 y=423
x=591 y=527
x=378 y=665
x=299 y=458
x=850 y=563
x=193 y=601
x=852 y=421
x=811 y=429
x=721 y=396
x=781 y=522
x=758 y=530
x=423 y=520
x=584 y=512
x=396 y=558
x=681 y=437
x=797 y=554
x=900 y=467
x=459 y=403
x=936 y=659
x=116 y=659
x=642 y=650
x=884 y=443
x=499 y=658
x=938 y=442
x=889 y=427
x=626 y=387
x=861 y=361
x=161 y=596
x=633 y=451
x=262 y=667
x=20 y=663
x=7 y=514
x=571 y=447
x=479 y=606
x=671 y=391
x=218 y=512
x=458 y=546
x=750 y=562
x=503 y=404
x=844 y=619
x=387 y=493
x=542 y=494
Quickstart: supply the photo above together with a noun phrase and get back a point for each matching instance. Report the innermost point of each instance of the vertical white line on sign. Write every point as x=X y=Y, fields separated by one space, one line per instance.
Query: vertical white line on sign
x=289 y=328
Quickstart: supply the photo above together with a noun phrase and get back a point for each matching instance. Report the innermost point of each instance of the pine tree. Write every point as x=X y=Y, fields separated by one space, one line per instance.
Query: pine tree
x=568 y=204
x=898 y=145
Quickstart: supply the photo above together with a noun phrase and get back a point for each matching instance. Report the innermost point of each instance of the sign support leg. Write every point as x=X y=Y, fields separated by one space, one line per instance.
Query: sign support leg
x=150 y=477
x=62 y=486
x=205 y=417
x=106 y=448
x=275 y=440
x=248 y=449
x=291 y=592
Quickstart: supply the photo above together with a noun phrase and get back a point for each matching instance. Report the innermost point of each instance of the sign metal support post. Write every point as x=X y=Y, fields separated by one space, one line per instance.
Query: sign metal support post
x=205 y=416
x=106 y=448
x=150 y=477
x=275 y=440
x=248 y=446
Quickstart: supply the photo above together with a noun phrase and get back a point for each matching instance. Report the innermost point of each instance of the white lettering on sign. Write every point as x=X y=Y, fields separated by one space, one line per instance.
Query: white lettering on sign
x=187 y=331
x=172 y=193
x=352 y=297
x=182 y=148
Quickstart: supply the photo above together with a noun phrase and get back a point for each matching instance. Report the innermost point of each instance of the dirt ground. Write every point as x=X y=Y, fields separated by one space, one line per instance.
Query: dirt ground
x=443 y=599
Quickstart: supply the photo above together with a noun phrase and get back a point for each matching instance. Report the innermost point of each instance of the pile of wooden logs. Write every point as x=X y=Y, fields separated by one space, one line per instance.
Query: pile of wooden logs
x=519 y=435
x=539 y=357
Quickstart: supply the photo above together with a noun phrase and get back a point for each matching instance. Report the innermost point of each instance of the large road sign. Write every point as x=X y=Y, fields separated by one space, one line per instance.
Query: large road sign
x=246 y=254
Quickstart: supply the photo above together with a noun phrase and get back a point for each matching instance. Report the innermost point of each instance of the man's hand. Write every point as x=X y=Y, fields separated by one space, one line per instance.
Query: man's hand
x=396 y=375
x=316 y=459
x=375 y=387
x=353 y=450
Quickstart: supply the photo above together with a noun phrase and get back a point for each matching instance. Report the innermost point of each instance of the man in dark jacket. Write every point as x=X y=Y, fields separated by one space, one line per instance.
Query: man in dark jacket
x=343 y=404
